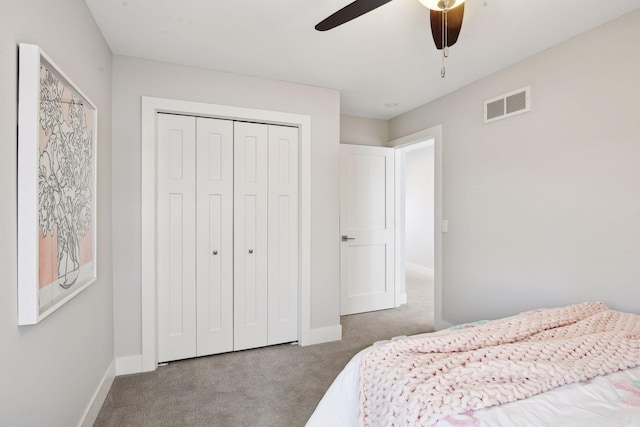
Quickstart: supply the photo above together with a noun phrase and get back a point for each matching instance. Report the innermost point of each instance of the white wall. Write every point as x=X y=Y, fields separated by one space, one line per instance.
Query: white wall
x=51 y=371
x=419 y=200
x=133 y=78
x=364 y=131
x=543 y=207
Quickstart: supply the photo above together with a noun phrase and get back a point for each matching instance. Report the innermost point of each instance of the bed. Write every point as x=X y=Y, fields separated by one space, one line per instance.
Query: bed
x=567 y=366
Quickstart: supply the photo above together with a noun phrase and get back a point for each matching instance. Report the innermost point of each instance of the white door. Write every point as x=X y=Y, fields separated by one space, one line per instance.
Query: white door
x=227 y=236
x=214 y=225
x=195 y=236
x=250 y=235
x=283 y=277
x=366 y=228
x=176 y=237
x=265 y=235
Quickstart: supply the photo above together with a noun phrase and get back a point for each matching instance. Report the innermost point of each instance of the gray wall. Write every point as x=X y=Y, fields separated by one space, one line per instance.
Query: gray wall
x=50 y=371
x=364 y=131
x=544 y=207
x=419 y=202
x=133 y=78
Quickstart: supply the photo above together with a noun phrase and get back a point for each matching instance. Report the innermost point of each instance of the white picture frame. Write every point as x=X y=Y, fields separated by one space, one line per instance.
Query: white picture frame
x=57 y=135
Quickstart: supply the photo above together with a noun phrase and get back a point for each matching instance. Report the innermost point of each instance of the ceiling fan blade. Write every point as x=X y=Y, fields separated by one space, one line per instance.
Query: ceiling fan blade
x=454 y=24
x=349 y=12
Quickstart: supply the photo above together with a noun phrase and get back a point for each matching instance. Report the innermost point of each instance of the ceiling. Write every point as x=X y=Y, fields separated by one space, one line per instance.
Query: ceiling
x=383 y=58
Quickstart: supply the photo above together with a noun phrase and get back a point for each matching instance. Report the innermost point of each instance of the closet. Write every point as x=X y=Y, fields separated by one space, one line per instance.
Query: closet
x=227 y=227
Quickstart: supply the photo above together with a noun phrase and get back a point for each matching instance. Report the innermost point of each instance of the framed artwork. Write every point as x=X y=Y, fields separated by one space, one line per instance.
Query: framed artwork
x=57 y=128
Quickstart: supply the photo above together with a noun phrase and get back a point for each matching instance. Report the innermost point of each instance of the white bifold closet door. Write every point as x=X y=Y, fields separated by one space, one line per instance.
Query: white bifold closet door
x=265 y=235
x=250 y=235
x=214 y=236
x=283 y=225
x=227 y=236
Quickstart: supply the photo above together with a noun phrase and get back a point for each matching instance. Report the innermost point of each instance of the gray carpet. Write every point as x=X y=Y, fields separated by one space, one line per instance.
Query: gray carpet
x=273 y=386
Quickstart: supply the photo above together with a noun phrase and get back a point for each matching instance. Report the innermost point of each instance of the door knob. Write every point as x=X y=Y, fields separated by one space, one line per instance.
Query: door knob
x=345 y=238
x=250 y=251
x=215 y=252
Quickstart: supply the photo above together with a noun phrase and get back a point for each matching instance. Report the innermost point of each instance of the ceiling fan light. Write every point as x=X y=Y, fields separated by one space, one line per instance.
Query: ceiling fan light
x=441 y=4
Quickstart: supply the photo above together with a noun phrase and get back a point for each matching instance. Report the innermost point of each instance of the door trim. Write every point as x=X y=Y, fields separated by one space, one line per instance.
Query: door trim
x=150 y=107
x=435 y=133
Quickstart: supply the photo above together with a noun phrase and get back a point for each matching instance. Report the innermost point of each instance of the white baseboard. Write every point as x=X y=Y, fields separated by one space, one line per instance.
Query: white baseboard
x=92 y=411
x=419 y=269
x=402 y=299
x=129 y=365
x=326 y=334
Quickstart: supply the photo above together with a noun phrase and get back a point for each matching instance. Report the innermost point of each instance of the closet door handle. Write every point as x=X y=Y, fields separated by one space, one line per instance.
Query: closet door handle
x=346 y=238
x=215 y=252
x=250 y=251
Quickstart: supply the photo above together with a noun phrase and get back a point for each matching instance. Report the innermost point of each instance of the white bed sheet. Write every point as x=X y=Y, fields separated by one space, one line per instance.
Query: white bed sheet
x=607 y=401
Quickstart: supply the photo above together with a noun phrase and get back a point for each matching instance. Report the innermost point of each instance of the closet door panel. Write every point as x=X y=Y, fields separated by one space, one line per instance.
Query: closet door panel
x=176 y=237
x=283 y=235
x=214 y=282
x=250 y=235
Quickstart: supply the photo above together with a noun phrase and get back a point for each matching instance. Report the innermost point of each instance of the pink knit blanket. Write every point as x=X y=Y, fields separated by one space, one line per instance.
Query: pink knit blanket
x=420 y=380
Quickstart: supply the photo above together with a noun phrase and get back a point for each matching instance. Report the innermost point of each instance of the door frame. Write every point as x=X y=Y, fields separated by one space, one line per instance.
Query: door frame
x=434 y=133
x=151 y=106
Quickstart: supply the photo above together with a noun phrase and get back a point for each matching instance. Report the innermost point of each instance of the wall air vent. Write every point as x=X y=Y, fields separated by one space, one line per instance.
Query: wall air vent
x=507 y=105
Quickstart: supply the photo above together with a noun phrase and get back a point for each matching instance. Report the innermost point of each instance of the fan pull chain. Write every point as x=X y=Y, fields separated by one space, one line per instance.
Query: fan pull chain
x=445 y=43
x=445 y=49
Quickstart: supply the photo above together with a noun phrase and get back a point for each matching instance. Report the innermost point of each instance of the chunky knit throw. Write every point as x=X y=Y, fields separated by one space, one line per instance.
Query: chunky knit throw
x=418 y=381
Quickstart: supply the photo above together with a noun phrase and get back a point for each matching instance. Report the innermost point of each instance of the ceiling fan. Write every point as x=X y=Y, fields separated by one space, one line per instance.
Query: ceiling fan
x=445 y=17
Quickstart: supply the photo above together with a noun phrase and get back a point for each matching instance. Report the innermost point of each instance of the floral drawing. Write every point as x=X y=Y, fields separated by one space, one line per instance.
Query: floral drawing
x=65 y=174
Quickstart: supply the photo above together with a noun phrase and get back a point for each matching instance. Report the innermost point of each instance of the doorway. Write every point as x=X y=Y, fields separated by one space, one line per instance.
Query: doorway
x=432 y=135
x=415 y=200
